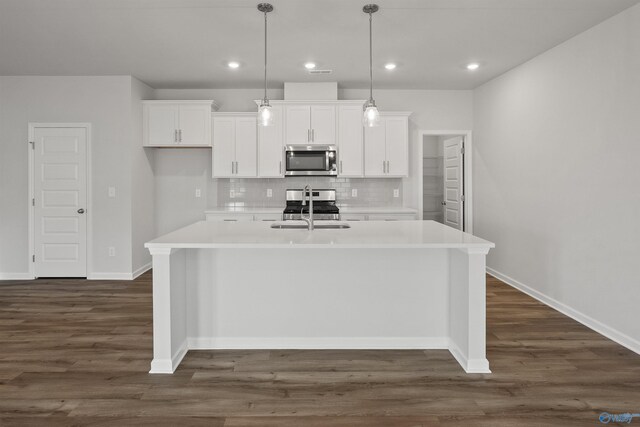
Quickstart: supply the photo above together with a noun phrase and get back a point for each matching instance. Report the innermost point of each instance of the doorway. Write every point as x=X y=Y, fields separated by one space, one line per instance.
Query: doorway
x=59 y=199
x=446 y=175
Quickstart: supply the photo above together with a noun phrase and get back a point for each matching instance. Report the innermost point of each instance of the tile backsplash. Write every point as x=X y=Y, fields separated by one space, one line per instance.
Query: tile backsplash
x=253 y=192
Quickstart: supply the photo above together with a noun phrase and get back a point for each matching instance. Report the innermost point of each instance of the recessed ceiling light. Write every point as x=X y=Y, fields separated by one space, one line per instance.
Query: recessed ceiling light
x=310 y=65
x=233 y=64
x=390 y=66
x=473 y=66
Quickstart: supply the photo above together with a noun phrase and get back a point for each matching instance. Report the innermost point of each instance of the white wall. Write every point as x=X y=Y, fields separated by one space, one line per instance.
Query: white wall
x=179 y=172
x=105 y=103
x=557 y=147
x=142 y=181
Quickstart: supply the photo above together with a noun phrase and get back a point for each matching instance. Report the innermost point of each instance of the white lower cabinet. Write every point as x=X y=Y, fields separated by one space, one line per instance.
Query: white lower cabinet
x=277 y=216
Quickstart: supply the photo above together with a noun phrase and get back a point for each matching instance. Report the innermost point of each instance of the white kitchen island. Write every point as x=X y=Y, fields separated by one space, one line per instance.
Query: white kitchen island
x=376 y=285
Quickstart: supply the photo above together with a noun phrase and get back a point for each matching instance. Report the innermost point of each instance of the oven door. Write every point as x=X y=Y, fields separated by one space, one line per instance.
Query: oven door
x=311 y=160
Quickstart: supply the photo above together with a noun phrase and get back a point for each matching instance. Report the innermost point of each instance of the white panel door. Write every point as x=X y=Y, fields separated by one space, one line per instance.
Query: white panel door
x=397 y=146
x=162 y=125
x=453 y=191
x=375 y=150
x=323 y=124
x=195 y=125
x=350 y=134
x=223 y=152
x=60 y=190
x=246 y=146
x=270 y=147
x=298 y=124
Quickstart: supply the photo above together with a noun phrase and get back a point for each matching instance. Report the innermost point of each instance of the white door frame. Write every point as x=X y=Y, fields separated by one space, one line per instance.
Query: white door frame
x=32 y=128
x=467 y=181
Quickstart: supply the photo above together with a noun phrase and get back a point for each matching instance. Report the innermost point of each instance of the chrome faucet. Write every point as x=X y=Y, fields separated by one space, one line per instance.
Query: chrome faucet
x=309 y=219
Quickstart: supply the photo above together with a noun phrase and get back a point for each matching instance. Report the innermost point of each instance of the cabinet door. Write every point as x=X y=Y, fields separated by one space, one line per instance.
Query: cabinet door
x=223 y=152
x=375 y=150
x=397 y=146
x=161 y=125
x=270 y=147
x=195 y=125
x=246 y=147
x=350 y=134
x=298 y=124
x=323 y=124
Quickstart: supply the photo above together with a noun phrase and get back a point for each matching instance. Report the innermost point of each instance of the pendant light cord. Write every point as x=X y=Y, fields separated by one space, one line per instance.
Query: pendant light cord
x=265 y=55
x=370 y=58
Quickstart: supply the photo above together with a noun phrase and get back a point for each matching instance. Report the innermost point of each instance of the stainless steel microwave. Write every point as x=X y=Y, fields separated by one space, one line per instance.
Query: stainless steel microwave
x=311 y=160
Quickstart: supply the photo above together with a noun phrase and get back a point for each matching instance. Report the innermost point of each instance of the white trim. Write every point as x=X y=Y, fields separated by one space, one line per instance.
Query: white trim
x=470 y=366
x=89 y=161
x=140 y=271
x=599 y=327
x=166 y=366
x=16 y=276
x=297 y=343
x=109 y=276
x=468 y=173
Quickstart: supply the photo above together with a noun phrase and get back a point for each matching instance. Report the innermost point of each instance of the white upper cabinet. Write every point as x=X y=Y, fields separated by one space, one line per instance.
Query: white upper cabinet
x=271 y=146
x=310 y=124
x=234 y=153
x=386 y=147
x=177 y=123
x=350 y=134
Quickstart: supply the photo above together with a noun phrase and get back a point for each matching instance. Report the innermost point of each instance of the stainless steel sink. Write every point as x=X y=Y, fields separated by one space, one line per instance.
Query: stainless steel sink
x=317 y=226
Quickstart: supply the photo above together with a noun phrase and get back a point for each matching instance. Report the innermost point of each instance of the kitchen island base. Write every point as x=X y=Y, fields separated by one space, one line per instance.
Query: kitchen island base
x=318 y=297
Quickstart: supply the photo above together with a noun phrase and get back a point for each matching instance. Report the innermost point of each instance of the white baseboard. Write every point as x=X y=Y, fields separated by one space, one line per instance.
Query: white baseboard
x=168 y=366
x=470 y=366
x=16 y=276
x=335 y=343
x=609 y=332
x=140 y=271
x=120 y=276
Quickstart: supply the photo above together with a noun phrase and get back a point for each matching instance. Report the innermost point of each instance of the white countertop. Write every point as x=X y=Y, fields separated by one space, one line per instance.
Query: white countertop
x=343 y=209
x=366 y=234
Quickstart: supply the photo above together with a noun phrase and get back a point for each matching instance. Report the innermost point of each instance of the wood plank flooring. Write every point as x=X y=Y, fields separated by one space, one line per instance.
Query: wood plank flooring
x=75 y=352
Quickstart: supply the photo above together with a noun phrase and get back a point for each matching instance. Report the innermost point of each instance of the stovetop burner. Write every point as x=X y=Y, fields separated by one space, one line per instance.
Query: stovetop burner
x=324 y=205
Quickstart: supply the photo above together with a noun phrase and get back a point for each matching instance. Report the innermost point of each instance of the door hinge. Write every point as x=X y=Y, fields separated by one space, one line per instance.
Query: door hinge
x=33 y=144
x=33 y=202
x=462 y=198
x=33 y=258
x=462 y=149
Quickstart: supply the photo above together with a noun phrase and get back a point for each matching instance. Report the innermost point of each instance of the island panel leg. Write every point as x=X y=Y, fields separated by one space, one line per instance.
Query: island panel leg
x=467 y=309
x=169 y=310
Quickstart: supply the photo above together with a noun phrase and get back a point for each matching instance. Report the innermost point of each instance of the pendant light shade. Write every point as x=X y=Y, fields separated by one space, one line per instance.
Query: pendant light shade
x=265 y=115
x=371 y=115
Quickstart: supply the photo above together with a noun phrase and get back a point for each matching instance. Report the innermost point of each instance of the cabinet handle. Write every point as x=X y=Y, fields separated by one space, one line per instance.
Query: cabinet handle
x=233 y=167
x=175 y=135
x=340 y=166
x=387 y=166
x=180 y=135
x=236 y=168
x=230 y=220
x=313 y=135
x=280 y=167
x=384 y=167
x=308 y=135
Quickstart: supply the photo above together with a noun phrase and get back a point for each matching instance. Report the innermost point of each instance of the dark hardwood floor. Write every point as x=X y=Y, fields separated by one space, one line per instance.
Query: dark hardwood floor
x=77 y=352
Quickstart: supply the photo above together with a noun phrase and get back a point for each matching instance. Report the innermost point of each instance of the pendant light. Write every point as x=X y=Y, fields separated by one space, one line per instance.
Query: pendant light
x=265 y=115
x=371 y=116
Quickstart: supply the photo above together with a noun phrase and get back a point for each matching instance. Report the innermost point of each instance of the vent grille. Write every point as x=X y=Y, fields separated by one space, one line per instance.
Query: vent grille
x=320 y=71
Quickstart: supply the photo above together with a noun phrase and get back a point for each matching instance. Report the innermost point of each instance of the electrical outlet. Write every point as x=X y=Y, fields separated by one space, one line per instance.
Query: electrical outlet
x=112 y=192
x=198 y=192
x=112 y=251
x=232 y=194
x=354 y=192
x=269 y=192
x=396 y=192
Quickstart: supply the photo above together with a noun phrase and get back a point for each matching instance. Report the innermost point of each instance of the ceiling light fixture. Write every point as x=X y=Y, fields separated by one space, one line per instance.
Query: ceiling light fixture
x=309 y=65
x=265 y=115
x=473 y=66
x=371 y=114
x=233 y=64
x=390 y=66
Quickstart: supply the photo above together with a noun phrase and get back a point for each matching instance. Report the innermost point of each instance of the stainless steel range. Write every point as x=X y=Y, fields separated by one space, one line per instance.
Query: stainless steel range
x=324 y=205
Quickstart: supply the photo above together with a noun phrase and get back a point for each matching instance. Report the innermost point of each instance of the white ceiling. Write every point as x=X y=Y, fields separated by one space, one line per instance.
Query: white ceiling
x=187 y=43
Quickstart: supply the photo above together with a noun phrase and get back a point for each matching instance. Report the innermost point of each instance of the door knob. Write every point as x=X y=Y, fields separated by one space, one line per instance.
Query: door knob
x=80 y=211
x=443 y=203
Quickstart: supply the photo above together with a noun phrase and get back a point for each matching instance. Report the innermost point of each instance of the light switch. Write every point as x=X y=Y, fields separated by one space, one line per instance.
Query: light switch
x=354 y=192
x=396 y=192
x=112 y=192
x=198 y=192
x=232 y=194
x=269 y=192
